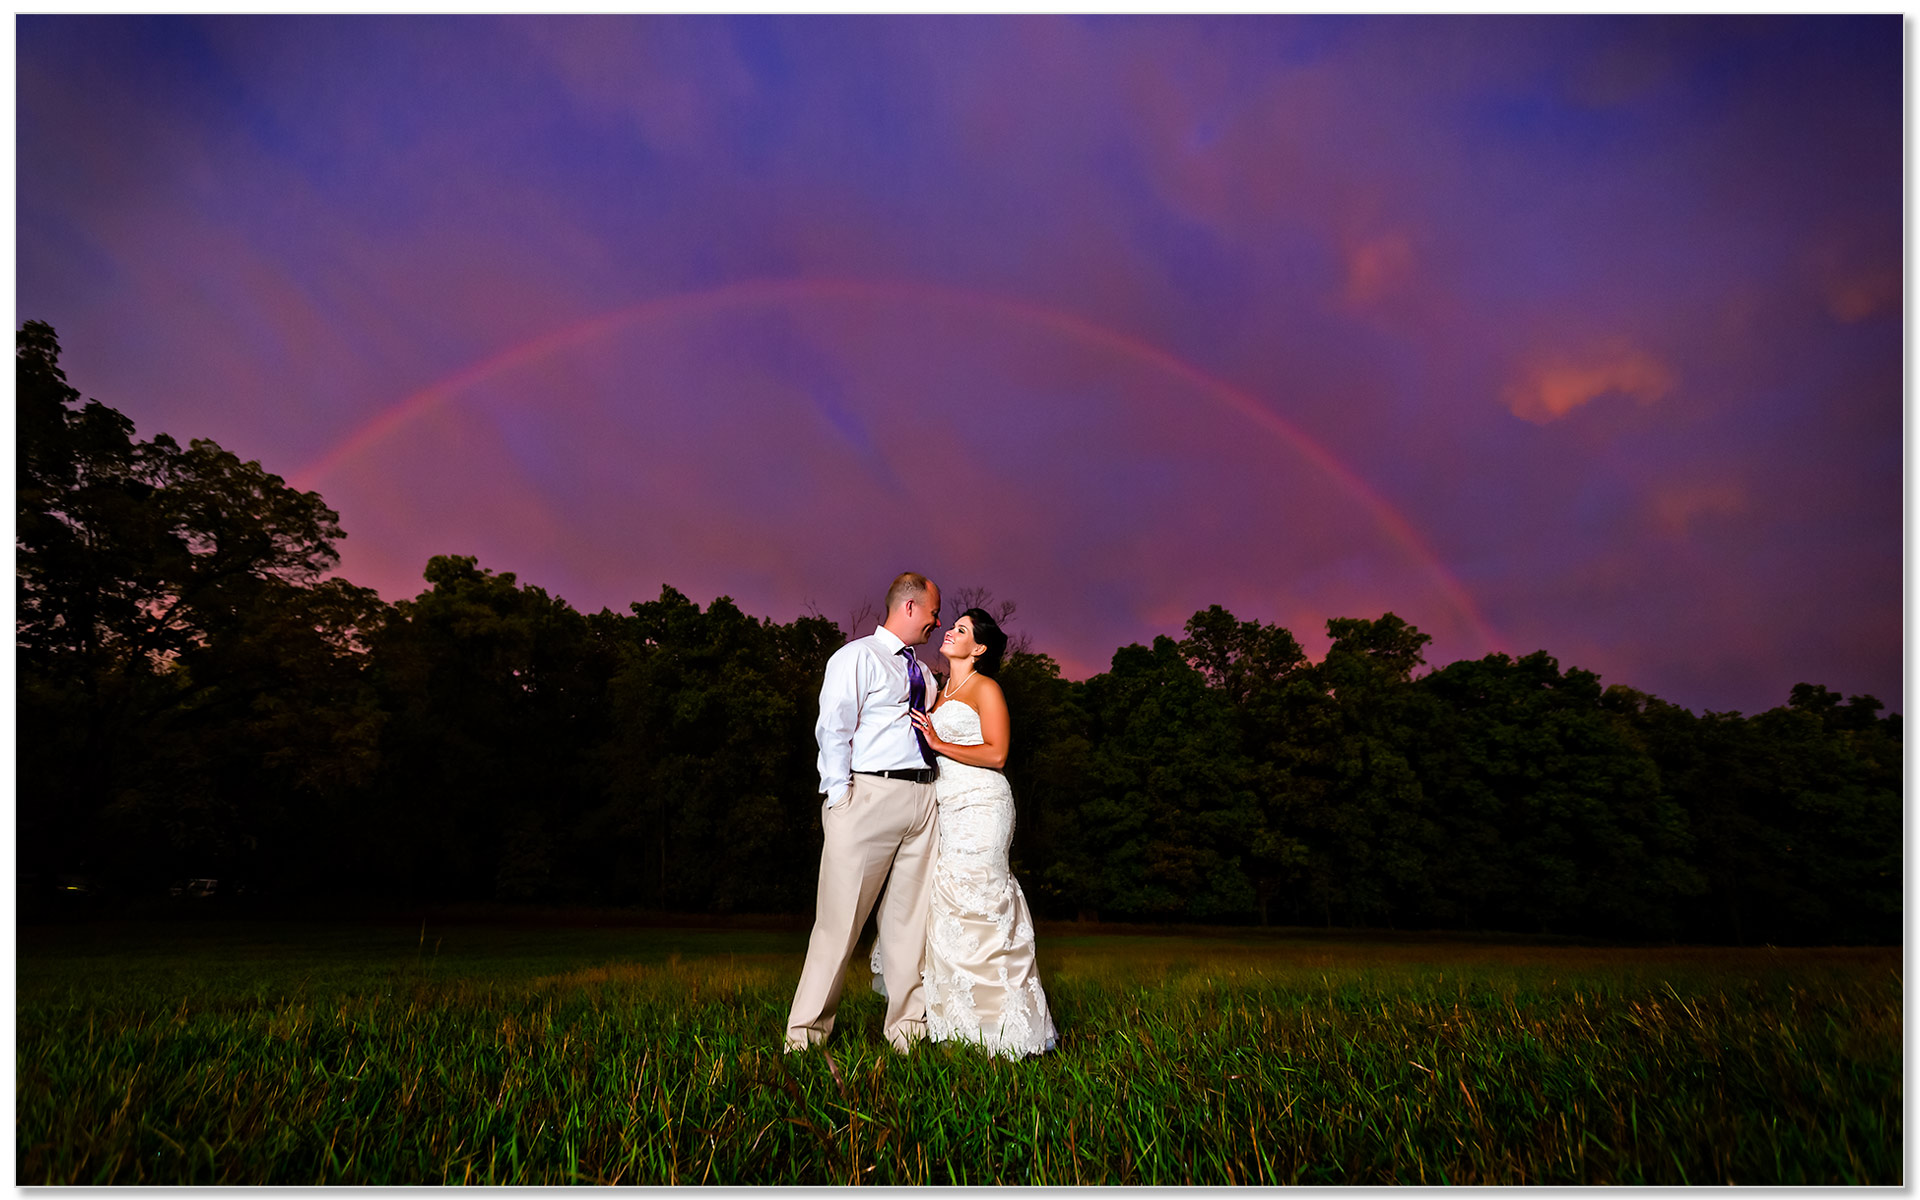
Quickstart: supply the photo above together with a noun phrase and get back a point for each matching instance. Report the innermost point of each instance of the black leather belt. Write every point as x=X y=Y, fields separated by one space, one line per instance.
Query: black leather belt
x=923 y=775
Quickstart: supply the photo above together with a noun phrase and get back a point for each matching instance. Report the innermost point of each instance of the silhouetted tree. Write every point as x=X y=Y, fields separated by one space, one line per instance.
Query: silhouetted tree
x=1258 y=670
x=1551 y=809
x=495 y=696
x=170 y=615
x=1047 y=769
x=1795 y=814
x=714 y=800
x=1362 y=819
x=1167 y=813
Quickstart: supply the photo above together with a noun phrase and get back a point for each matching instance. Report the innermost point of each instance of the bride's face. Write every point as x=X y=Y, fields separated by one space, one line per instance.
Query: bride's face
x=959 y=645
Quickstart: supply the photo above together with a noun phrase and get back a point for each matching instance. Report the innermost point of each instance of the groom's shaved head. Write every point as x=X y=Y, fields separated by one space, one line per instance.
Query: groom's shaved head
x=913 y=608
x=908 y=586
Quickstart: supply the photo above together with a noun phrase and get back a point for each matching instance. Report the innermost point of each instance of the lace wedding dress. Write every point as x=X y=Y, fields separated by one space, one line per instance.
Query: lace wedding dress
x=980 y=978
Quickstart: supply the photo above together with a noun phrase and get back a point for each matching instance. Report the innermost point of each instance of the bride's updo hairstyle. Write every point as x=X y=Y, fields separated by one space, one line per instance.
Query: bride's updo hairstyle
x=988 y=633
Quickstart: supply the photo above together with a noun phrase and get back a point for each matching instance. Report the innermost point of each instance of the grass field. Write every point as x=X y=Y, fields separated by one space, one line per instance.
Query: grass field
x=296 y=1053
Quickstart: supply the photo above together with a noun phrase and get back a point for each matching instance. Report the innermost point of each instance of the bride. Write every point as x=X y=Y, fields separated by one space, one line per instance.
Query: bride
x=981 y=982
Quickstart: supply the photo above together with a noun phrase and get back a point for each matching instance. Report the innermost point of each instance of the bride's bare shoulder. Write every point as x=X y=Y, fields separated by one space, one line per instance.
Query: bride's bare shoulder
x=988 y=691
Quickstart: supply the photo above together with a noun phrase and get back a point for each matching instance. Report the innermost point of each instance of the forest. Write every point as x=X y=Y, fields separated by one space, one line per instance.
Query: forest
x=200 y=695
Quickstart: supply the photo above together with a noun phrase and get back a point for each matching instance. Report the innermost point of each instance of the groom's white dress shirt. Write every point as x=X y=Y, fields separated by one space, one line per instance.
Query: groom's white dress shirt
x=863 y=722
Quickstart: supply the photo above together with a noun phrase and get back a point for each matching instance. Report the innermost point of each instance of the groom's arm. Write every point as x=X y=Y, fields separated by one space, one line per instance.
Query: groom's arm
x=839 y=715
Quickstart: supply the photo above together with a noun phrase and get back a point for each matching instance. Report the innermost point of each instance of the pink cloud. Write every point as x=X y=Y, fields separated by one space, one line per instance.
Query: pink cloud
x=1377 y=267
x=1859 y=294
x=1676 y=508
x=1855 y=275
x=1554 y=388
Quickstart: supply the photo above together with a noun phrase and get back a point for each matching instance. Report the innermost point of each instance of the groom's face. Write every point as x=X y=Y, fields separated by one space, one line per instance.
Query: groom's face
x=925 y=612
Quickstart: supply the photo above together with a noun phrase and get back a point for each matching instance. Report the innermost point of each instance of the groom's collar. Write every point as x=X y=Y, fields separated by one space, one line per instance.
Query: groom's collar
x=886 y=637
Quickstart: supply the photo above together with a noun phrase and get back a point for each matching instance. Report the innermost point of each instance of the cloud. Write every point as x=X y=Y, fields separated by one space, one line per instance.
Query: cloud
x=636 y=69
x=1676 y=508
x=1628 y=70
x=1377 y=267
x=1855 y=269
x=1555 y=388
x=1856 y=295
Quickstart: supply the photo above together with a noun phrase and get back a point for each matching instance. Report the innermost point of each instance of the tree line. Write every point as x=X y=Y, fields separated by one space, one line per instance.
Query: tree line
x=200 y=696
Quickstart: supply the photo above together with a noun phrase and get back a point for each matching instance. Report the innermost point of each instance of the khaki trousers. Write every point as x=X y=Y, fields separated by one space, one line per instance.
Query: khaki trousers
x=883 y=833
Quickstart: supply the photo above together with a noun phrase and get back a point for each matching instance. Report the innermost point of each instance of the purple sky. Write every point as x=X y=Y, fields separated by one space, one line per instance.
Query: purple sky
x=1562 y=333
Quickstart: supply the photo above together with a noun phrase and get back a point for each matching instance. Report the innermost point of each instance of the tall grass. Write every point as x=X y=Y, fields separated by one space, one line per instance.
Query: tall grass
x=290 y=1054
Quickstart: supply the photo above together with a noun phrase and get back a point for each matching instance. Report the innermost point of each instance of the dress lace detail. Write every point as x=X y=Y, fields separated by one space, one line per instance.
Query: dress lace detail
x=981 y=982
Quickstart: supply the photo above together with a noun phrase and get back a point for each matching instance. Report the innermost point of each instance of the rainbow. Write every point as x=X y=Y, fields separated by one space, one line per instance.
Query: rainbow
x=767 y=292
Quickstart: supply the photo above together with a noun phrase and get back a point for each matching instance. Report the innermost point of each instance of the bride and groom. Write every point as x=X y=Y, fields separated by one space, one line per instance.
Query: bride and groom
x=916 y=805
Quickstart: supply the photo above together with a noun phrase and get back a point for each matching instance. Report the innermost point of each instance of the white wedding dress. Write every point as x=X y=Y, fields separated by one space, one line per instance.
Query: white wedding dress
x=980 y=978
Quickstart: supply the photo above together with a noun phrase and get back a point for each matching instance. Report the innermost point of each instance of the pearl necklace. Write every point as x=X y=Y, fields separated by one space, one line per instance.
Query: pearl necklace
x=949 y=692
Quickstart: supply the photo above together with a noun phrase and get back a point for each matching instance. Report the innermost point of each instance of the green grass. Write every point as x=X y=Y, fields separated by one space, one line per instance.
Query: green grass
x=295 y=1053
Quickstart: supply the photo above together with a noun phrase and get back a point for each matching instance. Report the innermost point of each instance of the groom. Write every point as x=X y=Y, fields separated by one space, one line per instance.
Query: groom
x=879 y=818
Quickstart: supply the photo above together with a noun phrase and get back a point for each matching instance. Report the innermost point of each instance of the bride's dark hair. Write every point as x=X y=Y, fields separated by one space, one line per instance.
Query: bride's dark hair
x=988 y=633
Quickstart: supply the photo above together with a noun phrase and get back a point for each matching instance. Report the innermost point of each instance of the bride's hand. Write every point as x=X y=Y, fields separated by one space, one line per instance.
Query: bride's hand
x=924 y=723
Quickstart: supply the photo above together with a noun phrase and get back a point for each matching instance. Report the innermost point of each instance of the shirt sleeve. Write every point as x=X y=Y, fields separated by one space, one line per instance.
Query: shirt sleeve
x=839 y=714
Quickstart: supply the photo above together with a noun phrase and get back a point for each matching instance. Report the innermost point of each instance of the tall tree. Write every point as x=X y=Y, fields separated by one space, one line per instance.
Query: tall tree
x=1795 y=815
x=1257 y=670
x=495 y=697
x=154 y=586
x=1047 y=769
x=713 y=792
x=1551 y=809
x=1365 y=832
x=1168 y=813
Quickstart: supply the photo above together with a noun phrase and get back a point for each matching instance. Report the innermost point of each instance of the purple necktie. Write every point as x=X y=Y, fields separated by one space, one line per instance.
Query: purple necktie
x=916 y=697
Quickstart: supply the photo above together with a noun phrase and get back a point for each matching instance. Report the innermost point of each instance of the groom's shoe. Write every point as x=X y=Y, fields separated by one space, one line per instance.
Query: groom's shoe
x=796 y=1044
